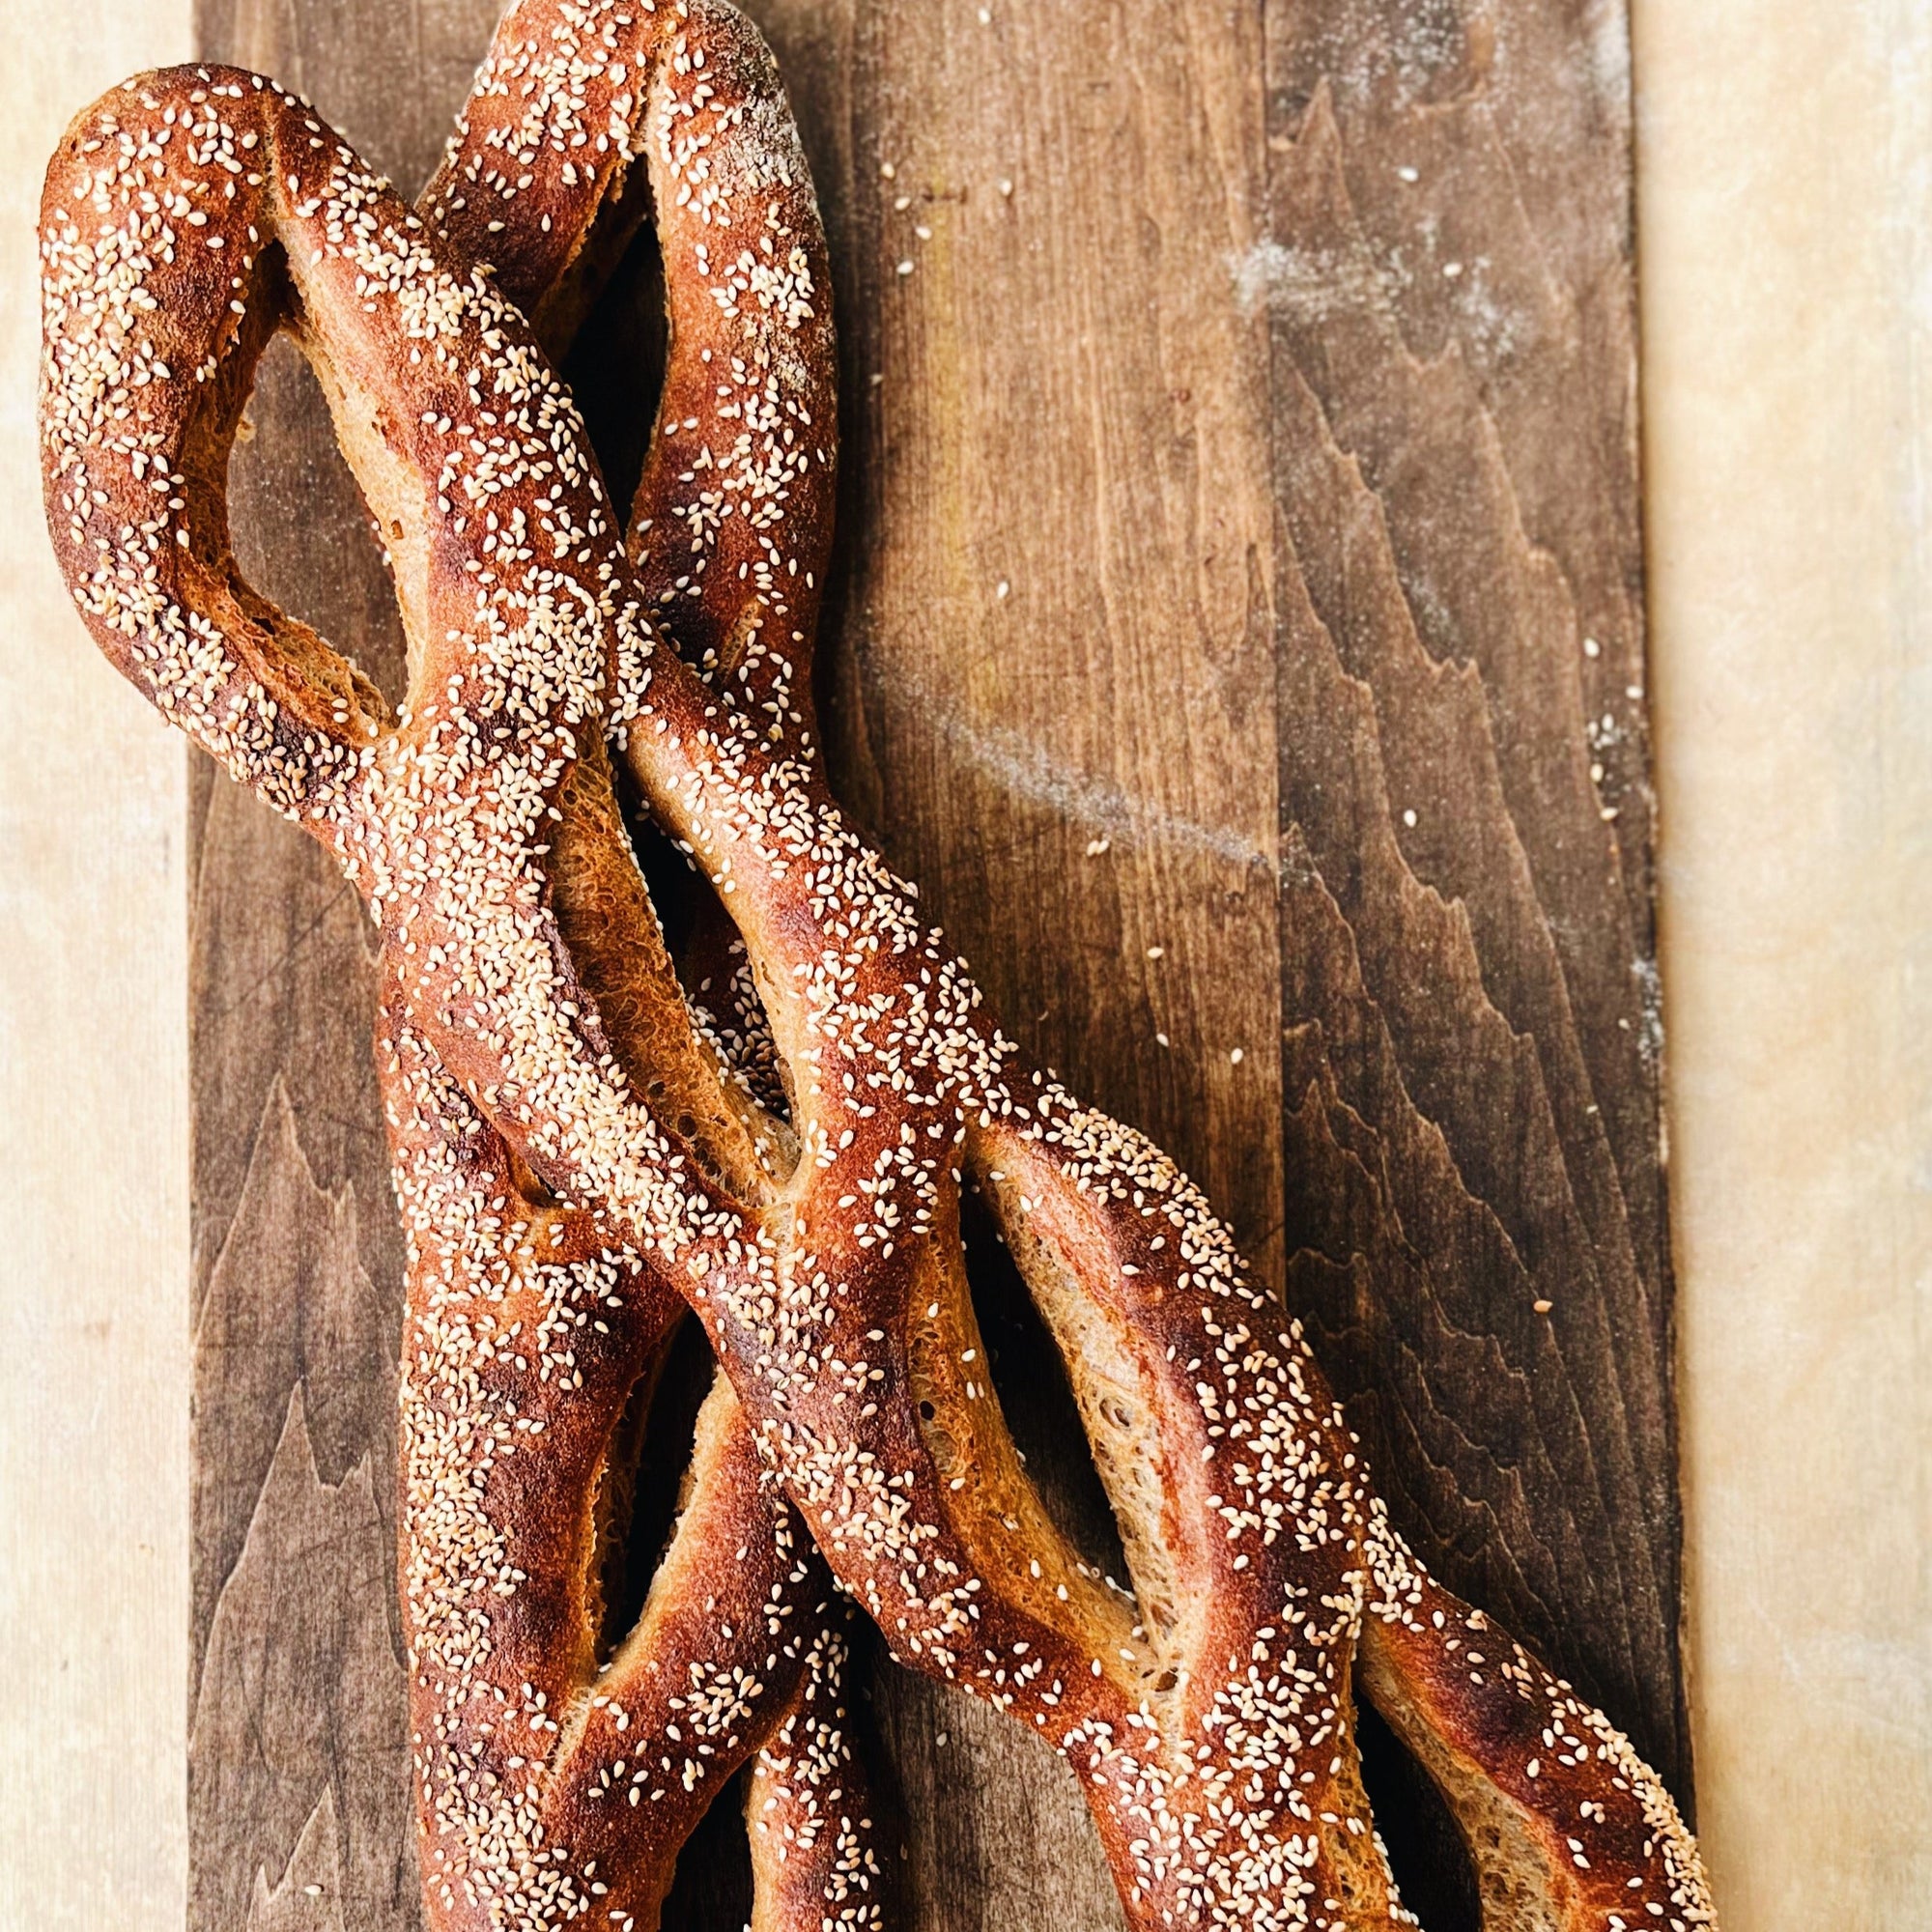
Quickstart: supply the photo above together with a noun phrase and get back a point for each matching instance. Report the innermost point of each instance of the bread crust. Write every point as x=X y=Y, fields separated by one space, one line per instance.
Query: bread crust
x=1210 y=1716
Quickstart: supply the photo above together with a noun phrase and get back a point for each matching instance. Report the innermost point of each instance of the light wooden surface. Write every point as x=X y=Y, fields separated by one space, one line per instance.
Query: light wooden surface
x=1787 y=226
x=1785 y=572
x=94 y=1086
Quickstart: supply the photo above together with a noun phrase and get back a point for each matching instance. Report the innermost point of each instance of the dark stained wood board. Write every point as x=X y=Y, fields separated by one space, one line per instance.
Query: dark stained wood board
x=1244 y=477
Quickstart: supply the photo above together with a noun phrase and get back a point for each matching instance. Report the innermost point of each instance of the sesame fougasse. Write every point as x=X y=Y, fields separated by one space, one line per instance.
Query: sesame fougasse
x=1208 y=1712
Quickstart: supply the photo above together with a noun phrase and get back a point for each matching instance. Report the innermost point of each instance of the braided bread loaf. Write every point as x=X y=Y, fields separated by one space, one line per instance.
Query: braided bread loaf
x=1210 y=1717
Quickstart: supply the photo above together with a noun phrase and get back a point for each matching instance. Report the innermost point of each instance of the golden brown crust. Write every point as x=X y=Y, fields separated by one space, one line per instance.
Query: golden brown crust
x=1209 y=1719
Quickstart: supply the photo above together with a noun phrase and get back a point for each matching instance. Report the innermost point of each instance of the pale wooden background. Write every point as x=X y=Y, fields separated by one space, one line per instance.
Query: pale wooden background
x=1786 y=220
x=1834 y=1684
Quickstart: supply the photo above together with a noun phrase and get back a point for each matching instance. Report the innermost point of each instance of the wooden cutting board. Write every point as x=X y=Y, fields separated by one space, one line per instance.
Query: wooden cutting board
x=1237 y=631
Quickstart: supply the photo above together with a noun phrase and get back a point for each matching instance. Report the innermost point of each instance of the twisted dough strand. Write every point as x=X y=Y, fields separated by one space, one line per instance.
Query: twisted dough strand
x=738 y=1651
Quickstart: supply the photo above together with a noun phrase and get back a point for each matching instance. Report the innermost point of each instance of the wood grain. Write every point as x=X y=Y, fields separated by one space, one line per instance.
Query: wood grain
x=1469 y=981
x=1199 y=525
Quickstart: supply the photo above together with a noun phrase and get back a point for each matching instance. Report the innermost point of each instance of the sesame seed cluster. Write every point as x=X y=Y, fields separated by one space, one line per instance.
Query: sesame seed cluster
x=571 y=1149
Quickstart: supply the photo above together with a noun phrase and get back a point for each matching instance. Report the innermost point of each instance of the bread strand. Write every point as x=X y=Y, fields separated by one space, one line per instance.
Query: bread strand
x=738 y=1650
x=718 y=791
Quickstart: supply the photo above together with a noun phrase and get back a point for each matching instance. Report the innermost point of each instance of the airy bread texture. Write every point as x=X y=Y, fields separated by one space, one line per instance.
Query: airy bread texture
x=1208 y=1716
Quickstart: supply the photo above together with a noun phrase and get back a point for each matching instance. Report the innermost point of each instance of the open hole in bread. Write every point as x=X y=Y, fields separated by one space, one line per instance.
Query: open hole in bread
x=1510 y=1878
x=713 y=971
x=1424 y=1847
x=1037 y=1399
x=675 y=1481
x=646 y=1476
x=610 y=311
x=285 y=464
x=1012 y=1534
x=1118 y=1405
x=290 y=429
x=711 y=1890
